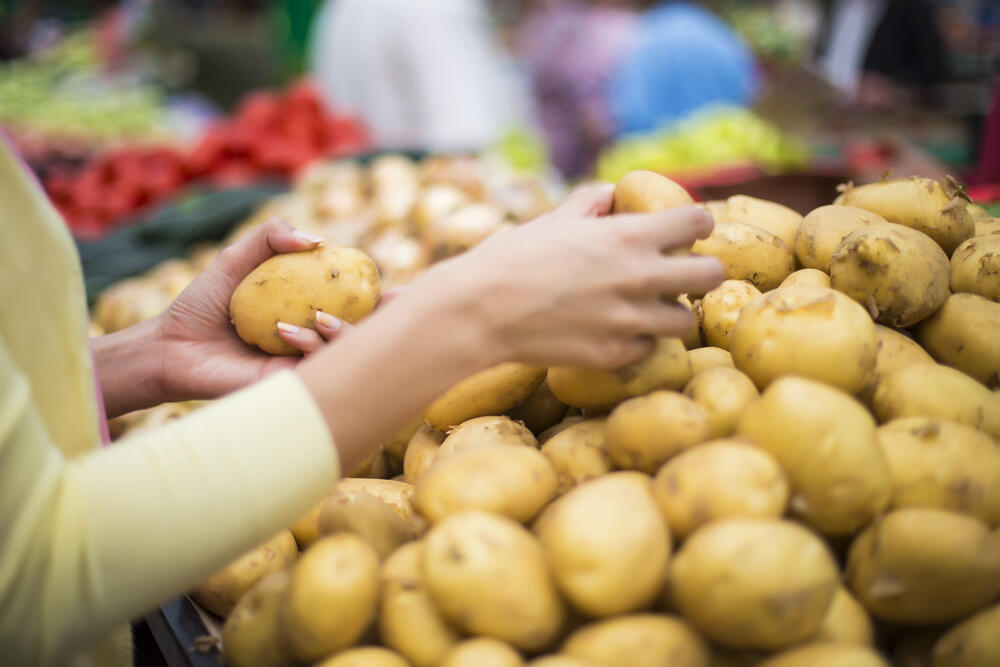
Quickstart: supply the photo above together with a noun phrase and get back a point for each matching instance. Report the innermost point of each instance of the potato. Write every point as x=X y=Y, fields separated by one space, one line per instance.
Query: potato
x=824 y=228
x=639 y=640
x=366 y=656
x=376 y=466
x=987 y=226
x=825 y=442
x=540 y=410
x=331 y=598
x=375 y=521
x=643 y=432
x=977 y=211
x=587 y=388
x=551 y=432
x=489 y=392
x=577 y=453
x=647 y=192
x=974 y=642
x=826 y=655
x=723 y=393
x=931 y=390
x=720 y=308
x=743 y=594
x=251 y=635
x=894 y=351
x=396 y=447
x=942 y=465
x=666 y=367
x=398 y=495
x=897 y=273
x=975 y=267
x=809 y=331
x=935 y=209
x=291 y=287
x=748 y=253
x=435 y=202
x=846 y=622
x=420 y=452
x=514 y=481
x=606 y=544
x=770 y=216
x=704 y=358
x=224 y=588
x=718 y=480
x=692 y=339
x=306 y=529
x=485 y=431
x=813 y=277
x=559 y=660
x=965 y=334
x=408 y=621
x=488 y=576
x=921 y=566
x=464 y=228
x=482 y=652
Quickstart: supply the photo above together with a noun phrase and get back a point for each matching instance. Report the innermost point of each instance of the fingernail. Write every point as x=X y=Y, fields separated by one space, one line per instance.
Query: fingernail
x=327 y=320
x=307 y=237
x=288 y=328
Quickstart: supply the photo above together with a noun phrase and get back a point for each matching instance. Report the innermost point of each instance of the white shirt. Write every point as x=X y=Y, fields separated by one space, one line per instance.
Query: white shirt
x=853 y=26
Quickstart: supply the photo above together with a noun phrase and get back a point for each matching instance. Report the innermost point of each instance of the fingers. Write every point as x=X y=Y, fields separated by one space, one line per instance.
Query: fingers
x=328 y=328
x=687 y=274
x=588 y=201
x=273 y=237
x=670 y=320
x=666 y=230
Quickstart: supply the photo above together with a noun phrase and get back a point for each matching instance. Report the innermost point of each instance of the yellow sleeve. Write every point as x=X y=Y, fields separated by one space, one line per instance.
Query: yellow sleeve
x=92 y=542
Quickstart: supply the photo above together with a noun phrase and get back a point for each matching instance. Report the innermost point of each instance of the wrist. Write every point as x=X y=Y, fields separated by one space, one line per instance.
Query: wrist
x=129 y=365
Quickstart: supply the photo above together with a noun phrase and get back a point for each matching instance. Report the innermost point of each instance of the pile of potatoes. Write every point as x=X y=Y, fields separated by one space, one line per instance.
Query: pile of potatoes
x=810 y=478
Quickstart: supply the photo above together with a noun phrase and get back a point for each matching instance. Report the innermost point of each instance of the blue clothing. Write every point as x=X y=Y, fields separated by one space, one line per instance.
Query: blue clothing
x=685 y=58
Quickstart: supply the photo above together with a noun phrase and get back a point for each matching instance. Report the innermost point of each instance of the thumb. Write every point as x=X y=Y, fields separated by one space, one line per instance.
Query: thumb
x=273 y=237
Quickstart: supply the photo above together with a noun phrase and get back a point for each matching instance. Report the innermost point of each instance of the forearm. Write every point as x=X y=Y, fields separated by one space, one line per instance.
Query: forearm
x=129 y=365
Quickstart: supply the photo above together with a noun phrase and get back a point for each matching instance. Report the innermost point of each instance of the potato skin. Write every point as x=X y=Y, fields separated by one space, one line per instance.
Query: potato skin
x=894 y=351
x=720 y=308
x=396 y=494
x=744 y=596
x=748 y=253
x=824 y=228
x=638 y=640
x=488 y=576
x=841 y=482
x=932 y=390
x=666 y=367
x=972 y=643
x=987 y=226
x=540 y=410
x=485 y=431
x=975 y=267
x=365 y=656
x=251 y=635
x=291 y=287
x=813 y=277
x=718 y=480
x=846 y=622
x=513 y=481
x=921 y=566
x=360 y=513
x=306 y=529
x=826 y=654
x=408 y=620
x=704 y=358
x=220 y=593
x=482 y=652
x=724 y=394
x=420 y=452
x=578 y=453
x=587 y=388
x=899 y=274
x=809 y=331
x=642 y=191
x=643 y=432
x=606 y=544
x=331 y=598
x=965 y=334
x=933 y=208
x=489 y=392
x=770 y=216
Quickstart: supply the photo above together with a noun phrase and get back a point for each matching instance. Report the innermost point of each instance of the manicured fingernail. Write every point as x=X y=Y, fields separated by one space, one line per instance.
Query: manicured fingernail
x=307 y=237
x=327 y=320
x=288 y=328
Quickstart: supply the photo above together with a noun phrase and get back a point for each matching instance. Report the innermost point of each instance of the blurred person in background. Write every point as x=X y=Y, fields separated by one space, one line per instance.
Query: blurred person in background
x=882 y=52
x=427 y=75
x=683 y=59
x=569 y=49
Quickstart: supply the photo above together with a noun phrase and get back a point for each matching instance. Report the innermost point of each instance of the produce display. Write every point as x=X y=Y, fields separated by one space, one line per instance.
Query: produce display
x=810 y=478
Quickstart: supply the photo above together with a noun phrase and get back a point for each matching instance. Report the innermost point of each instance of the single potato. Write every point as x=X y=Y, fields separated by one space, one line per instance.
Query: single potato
x=420 y=453
x=704 y=358
x=559 y=660
x=251 y=636
x=396 y=447
x=720 y=308
x=921 y=566
x=894 y=351
x=846 y=622
x=489 y=392
x=291 y=287
x=748 y=253
x=360 y=513
x=647 y=192
x=899 y=274
x=827 y=654
x=718 y=480
x=974 y=642
x=488 y=576
x=606 y=544
x=692 y=339
x=975 y=267
x=770 y=216
x=825 y=442
x=824 y=228
x=366 y=656
x=482 y=652
x=744 y=596
x=813 y=277
x=398 y=495
x=643 y=432
x=813 y=332
x=639 y=640
x=987 y=226
x=965 y=334
x=540 y=410
x=724 y=394
x=485 y=431
x=306 y=529
x=587 y=388
x=577 y=454
x=666 y=367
